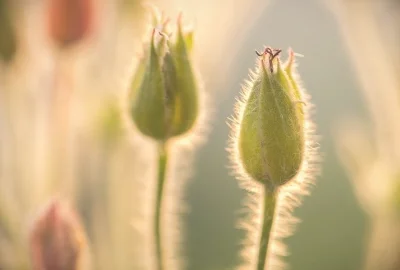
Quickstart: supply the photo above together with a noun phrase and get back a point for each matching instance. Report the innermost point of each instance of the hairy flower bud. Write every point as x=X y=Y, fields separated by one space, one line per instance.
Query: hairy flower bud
x=165 y=102
x=271 y=132
x=57 y=240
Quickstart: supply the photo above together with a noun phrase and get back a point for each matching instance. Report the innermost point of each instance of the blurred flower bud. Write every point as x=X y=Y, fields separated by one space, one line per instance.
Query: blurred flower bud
x=271 y=135
x=8 y=42
x=70 y=20
x=57 y=240
x=165 y=103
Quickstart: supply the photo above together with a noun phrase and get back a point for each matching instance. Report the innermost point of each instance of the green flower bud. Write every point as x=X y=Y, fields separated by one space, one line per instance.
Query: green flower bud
x=165 y=102
x=271 y=125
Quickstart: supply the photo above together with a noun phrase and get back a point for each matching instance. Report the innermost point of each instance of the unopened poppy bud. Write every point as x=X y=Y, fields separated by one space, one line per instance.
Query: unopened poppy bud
x=165 y=102
x=271 y=132
x=70 y=20
x=57 y=241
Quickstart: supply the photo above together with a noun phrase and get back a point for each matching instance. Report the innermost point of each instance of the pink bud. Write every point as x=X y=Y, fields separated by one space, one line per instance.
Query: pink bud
x=57 y=239
x=70 y=20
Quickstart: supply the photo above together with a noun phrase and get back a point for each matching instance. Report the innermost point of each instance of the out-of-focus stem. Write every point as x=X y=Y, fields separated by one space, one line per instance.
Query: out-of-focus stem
x=268 y=218
x=61 y=121
x=162 y=169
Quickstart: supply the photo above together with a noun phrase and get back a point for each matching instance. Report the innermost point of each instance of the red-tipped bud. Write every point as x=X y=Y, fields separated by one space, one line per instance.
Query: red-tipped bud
x=57 y=240
x=70 y=20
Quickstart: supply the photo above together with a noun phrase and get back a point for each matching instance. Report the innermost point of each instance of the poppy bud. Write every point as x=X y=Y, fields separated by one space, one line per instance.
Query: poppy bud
x=165 y=102
x=57 y=240
x=70 y=20
x=271 y=123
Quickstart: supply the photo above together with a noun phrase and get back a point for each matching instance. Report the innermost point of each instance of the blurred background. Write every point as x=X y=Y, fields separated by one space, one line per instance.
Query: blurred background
x=87 y=152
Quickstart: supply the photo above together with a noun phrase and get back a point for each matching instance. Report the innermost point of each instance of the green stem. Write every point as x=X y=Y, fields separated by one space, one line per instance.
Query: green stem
x=162 y=169
x=268 y=218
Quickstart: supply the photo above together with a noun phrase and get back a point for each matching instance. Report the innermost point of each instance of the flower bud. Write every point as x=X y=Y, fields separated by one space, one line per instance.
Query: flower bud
x=165 y=103
x=271 y=135
x=70 y=20
x=57 y=240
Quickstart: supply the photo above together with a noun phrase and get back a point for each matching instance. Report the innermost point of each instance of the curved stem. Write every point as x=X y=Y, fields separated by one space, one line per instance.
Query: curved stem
x=162 y=169
x=268 y=218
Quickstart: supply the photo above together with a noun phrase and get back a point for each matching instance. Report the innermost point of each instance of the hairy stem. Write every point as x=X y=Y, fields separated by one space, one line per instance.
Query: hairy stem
x=268 y=218
x=162 y=169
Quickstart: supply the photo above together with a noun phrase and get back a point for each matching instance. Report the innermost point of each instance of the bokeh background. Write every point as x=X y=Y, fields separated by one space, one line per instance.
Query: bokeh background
x=334 y=229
